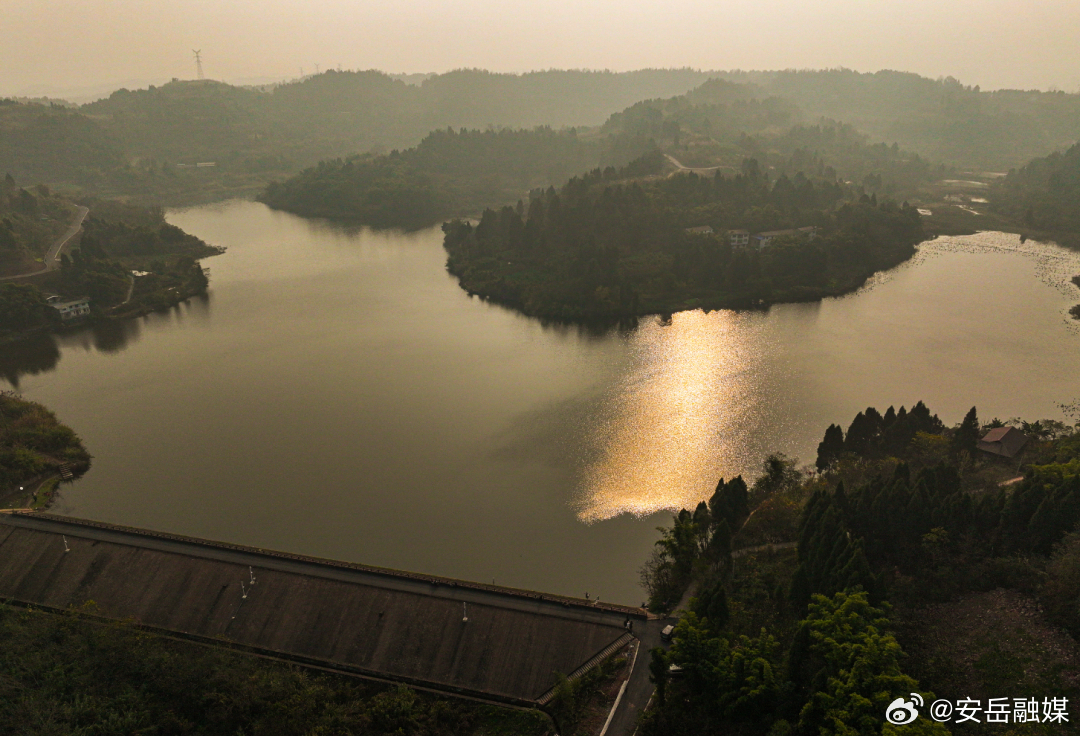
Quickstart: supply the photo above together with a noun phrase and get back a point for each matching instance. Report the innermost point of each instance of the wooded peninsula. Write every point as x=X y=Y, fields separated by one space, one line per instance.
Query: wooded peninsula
x=612 y=244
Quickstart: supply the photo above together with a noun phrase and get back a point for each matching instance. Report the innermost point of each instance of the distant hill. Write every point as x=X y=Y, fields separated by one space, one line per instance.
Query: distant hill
x=451 y=173
x=122 y=144
x=126 y=143
x=941 y=119
x=48 y=143
x=721 y=123
x=717 y=126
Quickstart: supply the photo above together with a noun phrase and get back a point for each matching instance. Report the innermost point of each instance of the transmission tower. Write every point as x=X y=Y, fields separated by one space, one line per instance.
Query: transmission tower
x=198 y=63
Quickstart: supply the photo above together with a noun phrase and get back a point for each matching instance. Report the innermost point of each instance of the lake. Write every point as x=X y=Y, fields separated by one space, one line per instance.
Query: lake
x=336 y=394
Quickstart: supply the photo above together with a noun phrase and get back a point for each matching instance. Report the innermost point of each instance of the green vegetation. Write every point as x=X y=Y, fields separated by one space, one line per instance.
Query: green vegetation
x=63 y=674
x=34 y=443
x=53 y=143
x=1043 y=195
x=604 y=247
x=578 y=702
x=119 y=238
x=45 y=493
x=721 y=124
x=146 y=143
x=23 y=309
x=907 y=540
x=30 y=221
x=449 y=173
x=942 y=119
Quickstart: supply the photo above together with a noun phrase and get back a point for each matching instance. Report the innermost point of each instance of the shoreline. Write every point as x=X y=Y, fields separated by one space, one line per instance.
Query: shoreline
x=795 y=295
x=112 y=314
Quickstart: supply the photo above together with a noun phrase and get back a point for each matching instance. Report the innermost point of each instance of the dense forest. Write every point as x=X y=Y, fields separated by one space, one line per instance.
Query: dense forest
x=612 y=244
x=1043 y=195
x=451 y=173
x=53 y=143
x=917 y=568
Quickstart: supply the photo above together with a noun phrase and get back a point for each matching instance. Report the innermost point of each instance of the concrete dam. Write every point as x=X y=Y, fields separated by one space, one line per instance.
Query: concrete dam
x=497 y=644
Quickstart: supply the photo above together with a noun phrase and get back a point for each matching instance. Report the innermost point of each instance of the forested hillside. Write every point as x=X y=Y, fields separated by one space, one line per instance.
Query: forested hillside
x=30 y=220
x=941 y=119
x=50 y=143
x=918 y=568
x=721 y=123
x=147 y=142
x=132 y=141
x=1043 y=195
x=451 y=173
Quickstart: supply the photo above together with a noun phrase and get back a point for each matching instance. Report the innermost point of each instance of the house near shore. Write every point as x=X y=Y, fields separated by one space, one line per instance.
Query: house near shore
x=1003 y=441
x=764 y=240
x=70 y=309
x=739 y=238
x=700 y=230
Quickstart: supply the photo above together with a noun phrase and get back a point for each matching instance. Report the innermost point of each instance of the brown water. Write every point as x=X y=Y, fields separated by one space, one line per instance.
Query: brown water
x=338 y=395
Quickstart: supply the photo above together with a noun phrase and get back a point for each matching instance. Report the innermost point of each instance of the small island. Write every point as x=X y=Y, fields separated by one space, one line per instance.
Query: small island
x=624 y=243
x=37 y=452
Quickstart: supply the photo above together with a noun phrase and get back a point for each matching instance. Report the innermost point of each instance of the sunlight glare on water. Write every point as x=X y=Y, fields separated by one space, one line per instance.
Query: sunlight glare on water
x=676 y=419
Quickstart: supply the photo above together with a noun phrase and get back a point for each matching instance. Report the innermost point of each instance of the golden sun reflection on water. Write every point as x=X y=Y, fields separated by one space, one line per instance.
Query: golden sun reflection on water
x=673 y=427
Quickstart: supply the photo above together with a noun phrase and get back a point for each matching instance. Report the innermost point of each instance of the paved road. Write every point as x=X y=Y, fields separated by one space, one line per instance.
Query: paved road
x=638 y=688
x=681 y=168
x=574 y=609
x=52 y=257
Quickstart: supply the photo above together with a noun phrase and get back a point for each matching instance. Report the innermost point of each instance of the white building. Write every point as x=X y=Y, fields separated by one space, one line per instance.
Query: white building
x=739 y=238
x=764 y=240
x=71 y=309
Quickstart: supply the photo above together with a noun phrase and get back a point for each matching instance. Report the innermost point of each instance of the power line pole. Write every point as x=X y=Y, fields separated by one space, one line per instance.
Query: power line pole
x=198 y=63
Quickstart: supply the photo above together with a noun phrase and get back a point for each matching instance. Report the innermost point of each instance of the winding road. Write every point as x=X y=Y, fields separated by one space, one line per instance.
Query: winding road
x=686 y=169
x=52 y=257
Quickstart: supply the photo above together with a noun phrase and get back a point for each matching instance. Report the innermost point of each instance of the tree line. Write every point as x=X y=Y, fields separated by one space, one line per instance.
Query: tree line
x=884 y=522
x=1043 y=195
x=449 y=173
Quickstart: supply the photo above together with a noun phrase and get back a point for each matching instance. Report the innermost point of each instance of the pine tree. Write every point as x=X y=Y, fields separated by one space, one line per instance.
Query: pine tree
x=966 y=437
x=830 y=447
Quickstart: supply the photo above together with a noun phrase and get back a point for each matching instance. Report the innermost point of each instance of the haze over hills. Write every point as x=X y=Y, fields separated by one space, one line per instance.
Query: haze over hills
x=137 y=143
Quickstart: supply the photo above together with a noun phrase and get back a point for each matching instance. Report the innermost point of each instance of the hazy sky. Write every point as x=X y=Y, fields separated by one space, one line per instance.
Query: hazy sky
x=72 y=44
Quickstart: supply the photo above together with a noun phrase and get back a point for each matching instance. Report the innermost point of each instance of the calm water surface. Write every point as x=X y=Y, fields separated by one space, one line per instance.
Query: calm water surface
x=338 y=395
